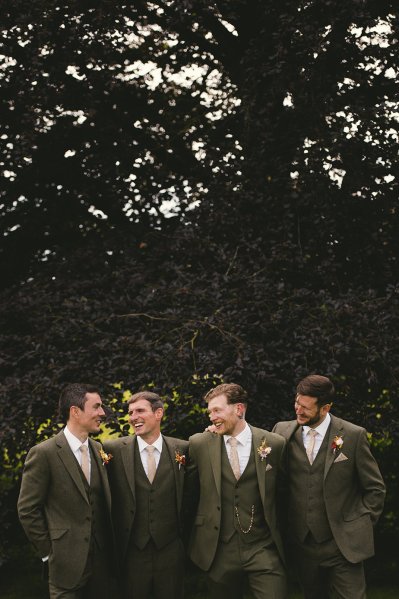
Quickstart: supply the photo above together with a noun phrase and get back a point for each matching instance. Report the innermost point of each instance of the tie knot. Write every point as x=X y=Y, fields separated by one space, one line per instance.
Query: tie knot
x=233 y=441
x=312 y=432
x=150 y=448
x=83 y=448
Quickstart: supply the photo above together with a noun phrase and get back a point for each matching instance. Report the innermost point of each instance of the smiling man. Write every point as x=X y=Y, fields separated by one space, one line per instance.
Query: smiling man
x=65 y=503
x=146 y=477
x=234 y=472
x=335 y=494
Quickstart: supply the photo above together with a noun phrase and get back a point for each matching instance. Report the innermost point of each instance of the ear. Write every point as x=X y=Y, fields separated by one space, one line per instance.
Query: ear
x=74 y=412
x=159 y=413
x=240 y=409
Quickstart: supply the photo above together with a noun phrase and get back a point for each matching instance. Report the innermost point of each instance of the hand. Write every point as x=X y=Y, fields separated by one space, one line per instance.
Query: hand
x=211 y=429
x=45 y=569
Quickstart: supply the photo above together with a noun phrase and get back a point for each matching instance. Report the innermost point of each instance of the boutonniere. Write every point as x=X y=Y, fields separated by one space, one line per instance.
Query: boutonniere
x=337 y=443
x=180 y=458
x=106 y=457
x=264 y=450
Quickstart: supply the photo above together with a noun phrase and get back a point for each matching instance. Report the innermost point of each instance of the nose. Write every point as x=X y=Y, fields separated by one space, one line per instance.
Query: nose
x=101 y=411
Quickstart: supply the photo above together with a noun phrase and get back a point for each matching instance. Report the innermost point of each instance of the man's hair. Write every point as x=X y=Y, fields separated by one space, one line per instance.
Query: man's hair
x=154 y=399
x=234 y=393
x=317 y=386
x=74 y=394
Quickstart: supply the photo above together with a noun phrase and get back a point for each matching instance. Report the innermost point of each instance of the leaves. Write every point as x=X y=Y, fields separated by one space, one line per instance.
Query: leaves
x=192 y=190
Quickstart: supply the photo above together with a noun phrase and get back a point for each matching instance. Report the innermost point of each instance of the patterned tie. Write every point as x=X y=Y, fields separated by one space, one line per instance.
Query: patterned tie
x=85 y=461
x=233 y=457
x=151 y=466
x=310 y=447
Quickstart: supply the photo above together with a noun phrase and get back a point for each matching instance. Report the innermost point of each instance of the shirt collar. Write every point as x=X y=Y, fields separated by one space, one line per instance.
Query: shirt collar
x=143 y=444
x=322 y=428
x=74 y=442
x=243 y=438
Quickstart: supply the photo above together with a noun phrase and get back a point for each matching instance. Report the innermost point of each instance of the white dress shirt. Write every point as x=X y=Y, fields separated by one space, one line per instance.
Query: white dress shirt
x=321 y=432
x=144 y=454
x=75 y=443
x=244 y=440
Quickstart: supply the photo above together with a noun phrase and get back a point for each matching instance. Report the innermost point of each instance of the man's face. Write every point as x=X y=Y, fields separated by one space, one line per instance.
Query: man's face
x=146 y=423
x=308 y=413
x=226 y=417
x=90 y=418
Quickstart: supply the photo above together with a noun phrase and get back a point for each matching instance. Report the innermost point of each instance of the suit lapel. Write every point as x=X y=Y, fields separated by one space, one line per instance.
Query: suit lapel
x=172 y=447
x=70 y=463
x=127 y=452
x=257 y=438
x=336 y=428
x=97 y=462
x=215 y=456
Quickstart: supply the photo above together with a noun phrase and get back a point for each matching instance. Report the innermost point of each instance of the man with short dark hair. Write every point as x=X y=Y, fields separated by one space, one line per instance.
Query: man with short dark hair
x=65 y=503
x=335 y=495
x=235 y=533
x=146 y=477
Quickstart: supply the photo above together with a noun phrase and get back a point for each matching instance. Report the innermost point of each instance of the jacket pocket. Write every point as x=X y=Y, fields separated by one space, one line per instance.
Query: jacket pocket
x=357 y=515
x=57 y=533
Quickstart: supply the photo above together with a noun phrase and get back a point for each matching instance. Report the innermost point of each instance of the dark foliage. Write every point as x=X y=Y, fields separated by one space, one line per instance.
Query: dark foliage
x=283 y=136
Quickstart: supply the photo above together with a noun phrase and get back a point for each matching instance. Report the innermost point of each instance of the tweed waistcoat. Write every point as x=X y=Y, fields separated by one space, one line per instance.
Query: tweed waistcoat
x=239 y=496
x=307 y=510
x=100 y=525
x=156 y=504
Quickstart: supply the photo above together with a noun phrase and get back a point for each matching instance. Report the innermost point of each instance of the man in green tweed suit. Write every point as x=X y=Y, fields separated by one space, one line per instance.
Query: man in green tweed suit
x=234 y=472
x=146 y=477
x=65 y=503
x=335 y=494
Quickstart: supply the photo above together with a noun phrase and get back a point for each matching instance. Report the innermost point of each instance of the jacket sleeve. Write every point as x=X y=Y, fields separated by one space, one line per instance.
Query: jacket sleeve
x=32 y=498
x=370 y=478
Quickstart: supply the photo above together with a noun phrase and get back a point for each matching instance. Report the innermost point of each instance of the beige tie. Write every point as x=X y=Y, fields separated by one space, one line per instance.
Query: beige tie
x=234 y=461
x=85 y=461
x=151 y=466
x=310 y=447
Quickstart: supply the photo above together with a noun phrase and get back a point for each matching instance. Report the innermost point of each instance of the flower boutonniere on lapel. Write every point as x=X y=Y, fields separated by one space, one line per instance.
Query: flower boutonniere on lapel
x=180 y=458
x=106 y=457
x=337 y=443
x=264 y=451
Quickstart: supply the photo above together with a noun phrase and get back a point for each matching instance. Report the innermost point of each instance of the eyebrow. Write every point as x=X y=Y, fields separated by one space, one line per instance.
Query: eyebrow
x=302 y=406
